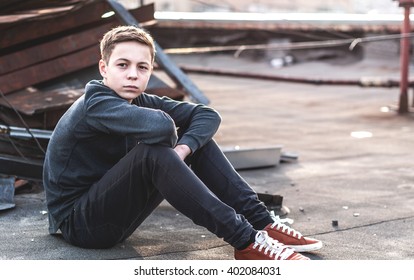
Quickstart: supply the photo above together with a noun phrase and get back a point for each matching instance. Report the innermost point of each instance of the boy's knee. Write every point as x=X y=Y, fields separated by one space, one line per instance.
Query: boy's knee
x=151 y=150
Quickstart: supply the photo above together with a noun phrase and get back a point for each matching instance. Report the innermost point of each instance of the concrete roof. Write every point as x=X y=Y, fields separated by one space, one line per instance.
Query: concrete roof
x=366 y=184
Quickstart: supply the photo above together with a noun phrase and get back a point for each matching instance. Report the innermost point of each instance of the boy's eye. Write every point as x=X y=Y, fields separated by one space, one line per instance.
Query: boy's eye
x=122 y=65
x=143 y=67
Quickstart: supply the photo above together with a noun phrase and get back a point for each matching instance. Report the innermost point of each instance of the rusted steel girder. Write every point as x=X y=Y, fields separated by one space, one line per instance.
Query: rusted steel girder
x=30 y=169
x=363 y=82
x=404 y=3
x=405 y=56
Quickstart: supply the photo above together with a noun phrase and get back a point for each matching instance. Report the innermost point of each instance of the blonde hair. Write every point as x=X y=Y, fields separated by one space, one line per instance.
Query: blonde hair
x=124 y=34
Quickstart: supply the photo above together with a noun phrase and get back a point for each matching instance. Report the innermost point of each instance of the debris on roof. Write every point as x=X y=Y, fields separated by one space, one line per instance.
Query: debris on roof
x=45 y=66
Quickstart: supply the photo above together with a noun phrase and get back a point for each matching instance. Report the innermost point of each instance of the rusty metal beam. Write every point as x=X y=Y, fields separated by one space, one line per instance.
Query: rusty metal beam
x=351 y=42
x=405 y=59
x=283 y=24
x=21 y=132
x=26 y=169
x=405 y=56
x=363 y=82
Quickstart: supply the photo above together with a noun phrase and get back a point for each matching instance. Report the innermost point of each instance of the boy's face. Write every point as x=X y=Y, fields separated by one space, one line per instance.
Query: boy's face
x=128 y=70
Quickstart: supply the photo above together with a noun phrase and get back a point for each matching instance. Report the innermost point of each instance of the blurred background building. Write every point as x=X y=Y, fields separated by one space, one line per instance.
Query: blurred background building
x=282 y=6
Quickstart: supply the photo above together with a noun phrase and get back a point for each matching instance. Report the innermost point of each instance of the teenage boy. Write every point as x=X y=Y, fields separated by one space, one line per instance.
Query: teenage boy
x=118 y=152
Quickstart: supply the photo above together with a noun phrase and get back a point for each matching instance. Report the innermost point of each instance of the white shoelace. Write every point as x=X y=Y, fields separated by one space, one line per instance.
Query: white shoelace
x=280 y=225
x=275 y=249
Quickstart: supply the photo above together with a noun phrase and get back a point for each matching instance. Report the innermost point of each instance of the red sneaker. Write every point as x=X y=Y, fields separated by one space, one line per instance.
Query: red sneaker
x=290 y=237
x=266 y=248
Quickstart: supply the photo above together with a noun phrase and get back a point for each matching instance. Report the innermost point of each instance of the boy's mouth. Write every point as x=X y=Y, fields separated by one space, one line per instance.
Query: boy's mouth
x=131 y=87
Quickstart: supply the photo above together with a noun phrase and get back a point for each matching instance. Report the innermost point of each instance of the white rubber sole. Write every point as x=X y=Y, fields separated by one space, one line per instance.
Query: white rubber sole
x=307 y=248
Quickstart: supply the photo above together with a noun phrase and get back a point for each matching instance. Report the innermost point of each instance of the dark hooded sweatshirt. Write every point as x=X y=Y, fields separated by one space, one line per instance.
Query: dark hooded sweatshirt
x=101 y=127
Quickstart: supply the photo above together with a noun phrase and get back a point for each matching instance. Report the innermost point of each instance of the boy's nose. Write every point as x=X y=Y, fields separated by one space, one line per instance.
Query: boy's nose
x=132 y=74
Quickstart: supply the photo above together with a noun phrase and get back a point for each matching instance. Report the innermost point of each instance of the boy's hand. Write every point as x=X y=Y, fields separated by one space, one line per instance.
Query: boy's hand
x=182 y=151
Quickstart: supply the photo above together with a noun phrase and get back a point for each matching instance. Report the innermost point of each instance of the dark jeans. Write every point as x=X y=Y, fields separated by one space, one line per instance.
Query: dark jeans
x=208 y=190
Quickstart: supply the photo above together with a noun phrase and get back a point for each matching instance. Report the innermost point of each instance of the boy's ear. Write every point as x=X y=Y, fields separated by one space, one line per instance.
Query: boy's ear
x=102 y=68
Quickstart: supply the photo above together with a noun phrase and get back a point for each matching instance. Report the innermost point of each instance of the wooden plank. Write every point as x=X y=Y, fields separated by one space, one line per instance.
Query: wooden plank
x=26 y=31
x=89 y=15
x=10 y=6
x=33 y=101
x=53 y=49
x=49 y=70
x=40 y=63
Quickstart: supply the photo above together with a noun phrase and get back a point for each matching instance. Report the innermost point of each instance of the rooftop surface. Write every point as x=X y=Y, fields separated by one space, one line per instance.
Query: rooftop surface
x=365 y=184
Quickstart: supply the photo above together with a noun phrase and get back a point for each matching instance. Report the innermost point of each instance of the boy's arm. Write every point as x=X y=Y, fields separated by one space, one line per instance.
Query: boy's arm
x=197 y=123
x=113 y=115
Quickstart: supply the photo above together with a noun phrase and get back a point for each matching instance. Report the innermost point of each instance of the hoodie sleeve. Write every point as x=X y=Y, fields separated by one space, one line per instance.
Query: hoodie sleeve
x=196 y=123
x=108 y=113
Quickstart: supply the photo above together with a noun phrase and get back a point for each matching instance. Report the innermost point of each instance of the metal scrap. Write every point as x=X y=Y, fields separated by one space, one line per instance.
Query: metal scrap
x=7 y=193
